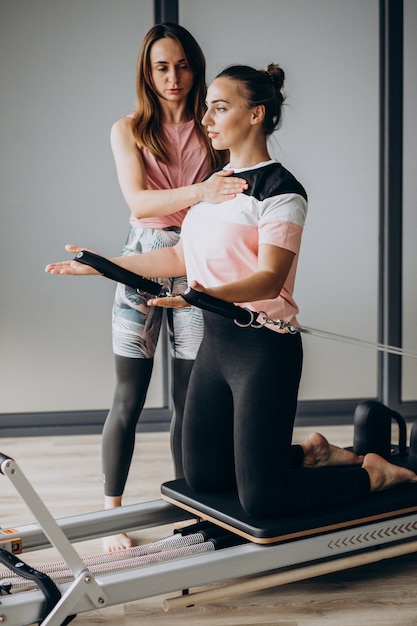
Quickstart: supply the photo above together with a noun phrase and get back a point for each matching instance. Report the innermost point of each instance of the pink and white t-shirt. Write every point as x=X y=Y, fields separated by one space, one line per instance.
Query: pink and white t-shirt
x=221 y=240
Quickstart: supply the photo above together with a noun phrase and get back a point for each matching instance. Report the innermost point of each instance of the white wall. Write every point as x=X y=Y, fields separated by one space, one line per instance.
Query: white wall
x=67 y=73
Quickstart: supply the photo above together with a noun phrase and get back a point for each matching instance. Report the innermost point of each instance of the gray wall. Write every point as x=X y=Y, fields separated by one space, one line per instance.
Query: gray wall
x=329 y=140
x=67 y=73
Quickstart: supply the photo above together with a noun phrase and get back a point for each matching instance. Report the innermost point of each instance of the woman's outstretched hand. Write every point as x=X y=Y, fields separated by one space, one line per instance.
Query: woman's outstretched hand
x=71 y=267
x=174 y=302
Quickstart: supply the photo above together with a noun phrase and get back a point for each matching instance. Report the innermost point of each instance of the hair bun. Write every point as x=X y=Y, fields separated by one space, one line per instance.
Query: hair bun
x=276 y=74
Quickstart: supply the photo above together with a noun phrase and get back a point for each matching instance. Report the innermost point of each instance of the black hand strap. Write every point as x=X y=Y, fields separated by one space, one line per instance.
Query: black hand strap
x=46 y=585
x=119 y=274
x=242 y=316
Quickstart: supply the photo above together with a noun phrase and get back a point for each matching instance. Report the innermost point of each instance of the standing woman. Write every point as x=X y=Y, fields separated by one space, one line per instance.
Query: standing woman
x=242 y=395
x=162 y=154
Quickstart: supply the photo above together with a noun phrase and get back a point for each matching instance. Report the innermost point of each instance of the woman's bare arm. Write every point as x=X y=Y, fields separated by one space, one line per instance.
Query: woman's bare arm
x=144 y=202
x=155 y=264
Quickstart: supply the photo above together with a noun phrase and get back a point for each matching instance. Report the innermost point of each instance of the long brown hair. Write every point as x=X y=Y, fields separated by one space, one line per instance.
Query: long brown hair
x=147 y=120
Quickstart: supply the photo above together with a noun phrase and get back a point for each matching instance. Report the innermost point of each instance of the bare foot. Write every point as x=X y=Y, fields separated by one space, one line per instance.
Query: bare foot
x=384 y=475
x=318 y=452
x=120 y=541
x=117 y=542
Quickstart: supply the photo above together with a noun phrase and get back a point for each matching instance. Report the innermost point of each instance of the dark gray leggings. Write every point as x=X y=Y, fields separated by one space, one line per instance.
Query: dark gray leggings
x=238 y=424
x=132 y=382
x=118 y=442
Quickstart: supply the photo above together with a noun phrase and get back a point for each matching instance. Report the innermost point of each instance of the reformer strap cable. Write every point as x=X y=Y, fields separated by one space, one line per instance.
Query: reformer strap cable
x=242 y=316
x=245 y=317
x=381 y=347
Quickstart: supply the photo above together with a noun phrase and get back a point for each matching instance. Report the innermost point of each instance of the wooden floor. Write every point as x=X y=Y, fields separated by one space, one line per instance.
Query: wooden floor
x=65 y=471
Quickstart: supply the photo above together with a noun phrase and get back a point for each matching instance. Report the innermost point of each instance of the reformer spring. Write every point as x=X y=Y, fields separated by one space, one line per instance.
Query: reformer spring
x=168 y=549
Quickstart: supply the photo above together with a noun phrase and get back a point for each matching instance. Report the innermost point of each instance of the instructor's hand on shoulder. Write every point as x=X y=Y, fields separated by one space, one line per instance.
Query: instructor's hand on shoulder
x=222 y=186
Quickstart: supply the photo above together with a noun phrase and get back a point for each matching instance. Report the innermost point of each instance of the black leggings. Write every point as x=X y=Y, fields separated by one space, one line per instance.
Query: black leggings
x=132 y=382
x=133 y=377
x=238 y=424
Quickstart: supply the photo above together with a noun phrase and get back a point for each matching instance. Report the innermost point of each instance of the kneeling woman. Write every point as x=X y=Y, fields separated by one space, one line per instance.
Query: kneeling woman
x=242 y=396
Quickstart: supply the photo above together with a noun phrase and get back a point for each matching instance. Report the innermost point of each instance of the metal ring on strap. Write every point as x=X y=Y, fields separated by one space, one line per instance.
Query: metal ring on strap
x=247 y=324
x=260 y=323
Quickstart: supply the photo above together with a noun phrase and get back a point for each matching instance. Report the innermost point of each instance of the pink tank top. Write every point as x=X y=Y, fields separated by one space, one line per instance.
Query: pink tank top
x=188 y=164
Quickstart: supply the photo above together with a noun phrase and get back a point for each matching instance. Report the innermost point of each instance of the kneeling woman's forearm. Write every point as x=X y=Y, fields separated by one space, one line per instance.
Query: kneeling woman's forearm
x=165 y=262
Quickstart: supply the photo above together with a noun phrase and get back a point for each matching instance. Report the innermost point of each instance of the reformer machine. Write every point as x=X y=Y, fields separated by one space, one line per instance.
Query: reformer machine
x=223 y=544
x=227 y=545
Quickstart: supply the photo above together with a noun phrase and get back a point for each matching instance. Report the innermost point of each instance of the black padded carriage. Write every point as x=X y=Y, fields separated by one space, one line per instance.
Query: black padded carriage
x=225 y=510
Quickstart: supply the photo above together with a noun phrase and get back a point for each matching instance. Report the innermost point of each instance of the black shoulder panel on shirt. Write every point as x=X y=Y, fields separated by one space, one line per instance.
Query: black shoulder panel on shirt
x=267 y=181
x=271 y=180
